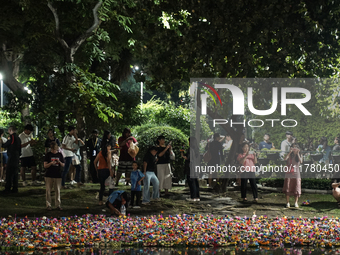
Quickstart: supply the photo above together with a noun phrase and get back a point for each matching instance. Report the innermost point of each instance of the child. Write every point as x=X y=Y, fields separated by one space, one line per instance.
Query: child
x=116 y=200
x=136 y=189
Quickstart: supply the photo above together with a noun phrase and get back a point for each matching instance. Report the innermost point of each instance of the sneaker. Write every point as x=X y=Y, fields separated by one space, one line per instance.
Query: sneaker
x=145 y=203
x=73 y=182
x=288 y=205
x=296 y=205
x=23 y=183
x=136 y=207
x=190 y=199
x=197 y=199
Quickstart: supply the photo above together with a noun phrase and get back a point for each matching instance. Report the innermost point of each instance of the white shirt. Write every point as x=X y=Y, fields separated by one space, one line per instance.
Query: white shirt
x=4 y=140
x=68 y=141
x=26 y=151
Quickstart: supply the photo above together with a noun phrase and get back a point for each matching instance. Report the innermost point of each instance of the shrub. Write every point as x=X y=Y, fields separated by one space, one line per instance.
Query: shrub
x=147 y=137
x=320 y=184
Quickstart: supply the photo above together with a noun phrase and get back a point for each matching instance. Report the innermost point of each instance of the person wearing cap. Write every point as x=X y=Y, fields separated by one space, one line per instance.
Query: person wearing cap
x=323 y=143
x=93 y=147
x=285 y=145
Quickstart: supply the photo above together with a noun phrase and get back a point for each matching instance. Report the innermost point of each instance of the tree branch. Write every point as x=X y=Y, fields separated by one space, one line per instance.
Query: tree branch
x=57 y=28
x=89 y=32
x=9 y=78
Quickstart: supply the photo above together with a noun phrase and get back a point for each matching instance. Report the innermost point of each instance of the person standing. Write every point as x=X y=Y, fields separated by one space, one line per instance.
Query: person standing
x=13 y=146
x=27 y=158
x=102 y=163
x=149 y=167
x=191 y=161
x=336 y=146
x=247 y=160
x=292 y=182
x=69 y=150
x=136 y=188
x=163 y=164
x=323 y=144
x=93 y=147
x=285 y=144
x=3 y=156
x=53 y=162
x=76 y=161
x=125 y=160
x=216 y=151
x=50 y=138
x=266 y=144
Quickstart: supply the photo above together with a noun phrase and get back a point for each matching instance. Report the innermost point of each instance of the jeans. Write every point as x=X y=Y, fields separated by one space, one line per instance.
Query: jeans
x=194 y=187
x=103 y=174
x=68 y=161
x=150 y=177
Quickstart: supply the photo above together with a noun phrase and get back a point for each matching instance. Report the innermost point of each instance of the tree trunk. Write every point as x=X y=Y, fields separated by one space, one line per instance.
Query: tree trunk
x=82 y=135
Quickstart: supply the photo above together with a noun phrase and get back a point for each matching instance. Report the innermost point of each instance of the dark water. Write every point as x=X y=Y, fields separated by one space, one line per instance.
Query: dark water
x=184 y=251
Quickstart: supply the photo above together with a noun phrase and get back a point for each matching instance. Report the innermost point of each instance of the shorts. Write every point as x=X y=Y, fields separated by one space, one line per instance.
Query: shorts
x=3 y=158
x=125 y=167
x=28 y=162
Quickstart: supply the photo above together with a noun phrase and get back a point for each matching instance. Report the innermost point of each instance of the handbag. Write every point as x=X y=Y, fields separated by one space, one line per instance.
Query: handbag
x=133 y=150
x=172 y=155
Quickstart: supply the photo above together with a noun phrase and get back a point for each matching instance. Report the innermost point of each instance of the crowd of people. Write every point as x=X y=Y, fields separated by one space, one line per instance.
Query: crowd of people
x=106 y=167
x=290 y=152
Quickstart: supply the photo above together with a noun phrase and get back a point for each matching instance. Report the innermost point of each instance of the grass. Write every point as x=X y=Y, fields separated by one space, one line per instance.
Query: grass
x=30 y=202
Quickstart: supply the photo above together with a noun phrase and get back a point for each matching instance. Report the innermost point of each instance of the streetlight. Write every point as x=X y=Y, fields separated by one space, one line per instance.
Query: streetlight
x=2 y=91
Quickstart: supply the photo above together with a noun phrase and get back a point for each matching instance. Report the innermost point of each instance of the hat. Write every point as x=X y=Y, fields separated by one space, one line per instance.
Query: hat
x=289 y=133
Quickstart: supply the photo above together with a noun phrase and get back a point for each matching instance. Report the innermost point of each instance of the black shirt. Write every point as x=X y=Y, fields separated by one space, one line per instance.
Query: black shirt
x=93 y=145
x=13 y=146
x=165 y=159
x=151 y=162
x=215 y=148
x=53 y=171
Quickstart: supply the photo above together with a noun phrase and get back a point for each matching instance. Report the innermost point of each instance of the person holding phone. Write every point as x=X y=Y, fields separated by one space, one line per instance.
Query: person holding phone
x=53 y=163
x=163 y=164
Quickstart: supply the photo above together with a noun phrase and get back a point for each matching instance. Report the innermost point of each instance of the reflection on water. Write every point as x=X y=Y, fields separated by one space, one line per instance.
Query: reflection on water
x=184 y=251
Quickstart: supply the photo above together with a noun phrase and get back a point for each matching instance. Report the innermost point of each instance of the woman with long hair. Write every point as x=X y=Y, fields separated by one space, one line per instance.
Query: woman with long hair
x=292 y=182
x=191 y=161
x=247 y=160
x=102 y=163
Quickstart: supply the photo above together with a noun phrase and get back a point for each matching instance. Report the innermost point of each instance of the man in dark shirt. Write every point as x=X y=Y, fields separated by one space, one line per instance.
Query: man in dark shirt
x=266 y=143
x=149 y=168
x=13 y=146
x=93 y=148
x=216 y=151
